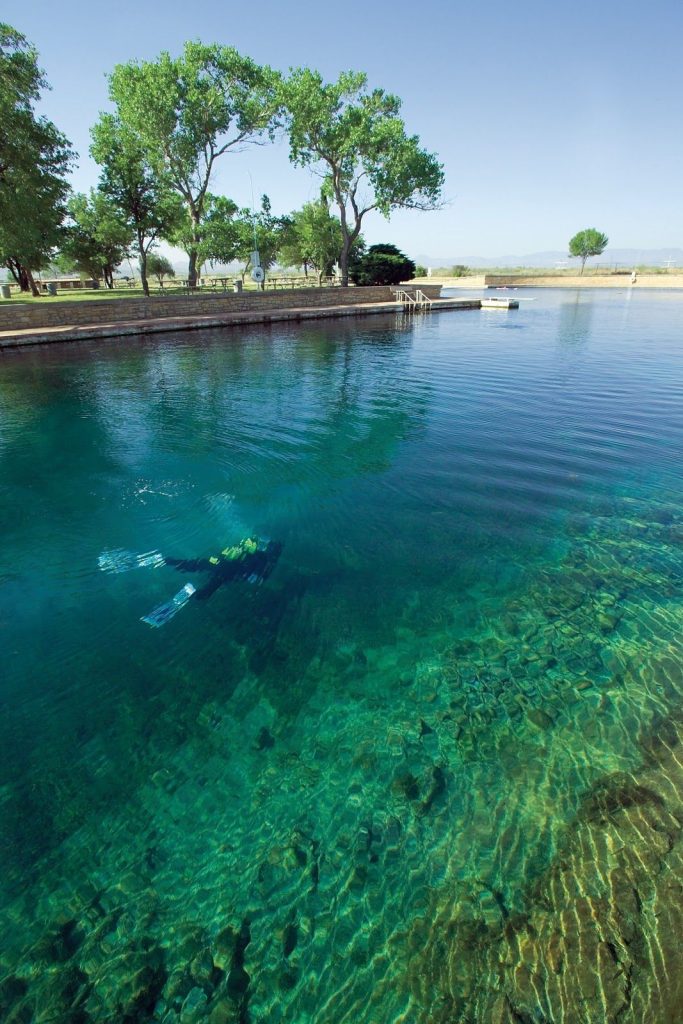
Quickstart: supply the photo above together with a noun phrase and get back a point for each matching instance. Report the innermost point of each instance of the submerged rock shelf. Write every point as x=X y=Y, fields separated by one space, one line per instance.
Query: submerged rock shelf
x=366 y=861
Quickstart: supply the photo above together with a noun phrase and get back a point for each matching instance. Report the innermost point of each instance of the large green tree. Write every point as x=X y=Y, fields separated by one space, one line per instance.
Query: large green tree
x=140 y=190
x=96 y=239
x=356 y=140
x=34 y=160
x=188 y=111
x=313 y=240
x=589 y=242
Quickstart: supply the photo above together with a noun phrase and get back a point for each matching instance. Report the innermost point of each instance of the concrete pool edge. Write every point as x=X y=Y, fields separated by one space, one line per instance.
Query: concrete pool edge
x=86 y=332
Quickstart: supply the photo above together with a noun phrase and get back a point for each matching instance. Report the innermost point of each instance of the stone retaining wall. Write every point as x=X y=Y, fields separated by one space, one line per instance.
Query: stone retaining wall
x=22 y=316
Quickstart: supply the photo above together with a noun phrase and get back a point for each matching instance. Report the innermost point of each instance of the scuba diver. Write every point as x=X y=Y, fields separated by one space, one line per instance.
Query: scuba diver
x=252 y=560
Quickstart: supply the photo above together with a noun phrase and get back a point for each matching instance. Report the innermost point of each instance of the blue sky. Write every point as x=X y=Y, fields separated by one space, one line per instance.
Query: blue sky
x=548 y=117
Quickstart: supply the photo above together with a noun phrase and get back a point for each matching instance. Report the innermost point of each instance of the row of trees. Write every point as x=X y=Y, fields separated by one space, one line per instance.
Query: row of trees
x=172 y=120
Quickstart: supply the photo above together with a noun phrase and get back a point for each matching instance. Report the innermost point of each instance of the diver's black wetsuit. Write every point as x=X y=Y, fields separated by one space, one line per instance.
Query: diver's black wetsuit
x=254 y=566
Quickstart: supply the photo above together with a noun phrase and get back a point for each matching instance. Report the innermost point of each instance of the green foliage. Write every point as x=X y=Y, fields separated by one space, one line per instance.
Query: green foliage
x=160 y=266
x=188 y=111
x=355 y=139
x=313 y=240
x=34 y=160
x=381 y=264
x=141 y=193
x=217 y=237
x=420 y=270
x=96 y=239
x=261 y=230
x=459 y=270
x=588 y=242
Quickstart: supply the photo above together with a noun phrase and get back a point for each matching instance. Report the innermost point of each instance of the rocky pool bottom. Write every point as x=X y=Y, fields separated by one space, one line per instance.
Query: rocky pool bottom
x=481 y=830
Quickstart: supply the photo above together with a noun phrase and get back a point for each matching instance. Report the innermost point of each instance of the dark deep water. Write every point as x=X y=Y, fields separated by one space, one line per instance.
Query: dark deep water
x=430 y=769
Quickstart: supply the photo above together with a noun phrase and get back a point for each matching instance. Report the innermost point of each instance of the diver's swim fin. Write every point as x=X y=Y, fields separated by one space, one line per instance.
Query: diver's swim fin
x=118 y=560
x=161 y=615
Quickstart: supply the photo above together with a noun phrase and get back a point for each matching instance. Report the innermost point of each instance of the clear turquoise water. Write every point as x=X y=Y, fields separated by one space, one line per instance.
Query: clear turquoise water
x=430 y=770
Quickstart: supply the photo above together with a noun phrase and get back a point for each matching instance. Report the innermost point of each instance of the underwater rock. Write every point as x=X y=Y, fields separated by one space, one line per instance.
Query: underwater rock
x=130 y=989
x=264 y=740
x=12 y=991
x=178 y=985
x=437 y=787
x=613 y=794
x=540 y=718
x=287 y=981
x=290 y=939
x=224 y=947
x=203 y=971
x=194 y=1003
x=60 y=944
x=405 y=784
x=238 y=978
x=61 y=994
x=223 y=1012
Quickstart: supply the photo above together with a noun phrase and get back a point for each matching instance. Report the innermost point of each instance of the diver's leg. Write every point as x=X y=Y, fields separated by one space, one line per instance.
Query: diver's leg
x=119 y=560
x=210 y=587
x=190 y=564
x=160 y=615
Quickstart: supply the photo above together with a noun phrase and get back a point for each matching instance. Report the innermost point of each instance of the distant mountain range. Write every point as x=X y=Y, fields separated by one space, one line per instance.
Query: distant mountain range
x=626 y=257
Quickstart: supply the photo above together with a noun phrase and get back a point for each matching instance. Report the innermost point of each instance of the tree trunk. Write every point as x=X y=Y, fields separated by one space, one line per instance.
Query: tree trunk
x=344 y=261
x=32 y=284
x=583 y=264
x=20 y=275
x=143 y=274
x=348 y=241
x=192 y=269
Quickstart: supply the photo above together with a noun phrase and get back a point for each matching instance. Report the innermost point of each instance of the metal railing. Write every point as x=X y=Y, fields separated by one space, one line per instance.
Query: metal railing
x=413 y=301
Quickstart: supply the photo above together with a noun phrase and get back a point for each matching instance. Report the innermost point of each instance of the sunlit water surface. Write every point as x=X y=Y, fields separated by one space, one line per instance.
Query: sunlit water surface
x=430 y=769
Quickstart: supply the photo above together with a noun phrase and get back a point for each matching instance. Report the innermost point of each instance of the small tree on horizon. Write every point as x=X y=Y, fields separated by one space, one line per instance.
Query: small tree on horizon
x=160 y=266
x=589 y=242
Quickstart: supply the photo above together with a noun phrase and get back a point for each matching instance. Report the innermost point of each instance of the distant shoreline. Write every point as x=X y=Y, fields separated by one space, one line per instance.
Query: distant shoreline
x=476 y=281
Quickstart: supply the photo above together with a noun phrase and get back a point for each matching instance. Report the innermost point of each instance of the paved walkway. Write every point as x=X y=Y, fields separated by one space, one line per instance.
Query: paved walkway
x=119 y=328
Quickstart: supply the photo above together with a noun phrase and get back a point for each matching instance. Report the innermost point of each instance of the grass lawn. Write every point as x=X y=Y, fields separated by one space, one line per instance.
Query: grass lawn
x=90 y=294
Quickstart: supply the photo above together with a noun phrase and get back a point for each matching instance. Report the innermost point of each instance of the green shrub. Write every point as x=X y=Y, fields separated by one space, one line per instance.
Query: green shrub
x=381 y=264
